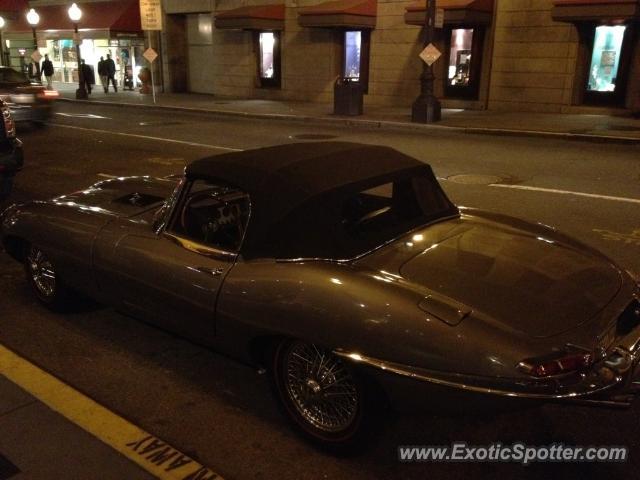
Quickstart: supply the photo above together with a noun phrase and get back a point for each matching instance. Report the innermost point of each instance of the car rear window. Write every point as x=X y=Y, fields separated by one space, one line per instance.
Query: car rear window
x=350 y=223
x=374 y=216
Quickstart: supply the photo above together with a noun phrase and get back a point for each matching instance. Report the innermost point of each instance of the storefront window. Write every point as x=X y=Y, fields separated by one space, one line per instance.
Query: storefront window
x=267 y=55
x=268 y=52
x=605 y=59
x=460 y=57
x=126 y=53
x=352 y=54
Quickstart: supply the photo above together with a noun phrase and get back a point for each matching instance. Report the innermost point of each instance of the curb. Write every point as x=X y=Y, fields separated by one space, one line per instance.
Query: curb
x=371 y=124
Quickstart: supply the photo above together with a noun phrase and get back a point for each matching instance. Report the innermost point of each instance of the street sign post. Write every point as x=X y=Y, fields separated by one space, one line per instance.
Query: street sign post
x=439 y=23
x=36 y=56
x=430 y=54
x=150 y=55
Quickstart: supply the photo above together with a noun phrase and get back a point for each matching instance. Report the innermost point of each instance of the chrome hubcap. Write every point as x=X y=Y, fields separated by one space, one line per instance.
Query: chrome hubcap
x=321 y=388
x=42 y=272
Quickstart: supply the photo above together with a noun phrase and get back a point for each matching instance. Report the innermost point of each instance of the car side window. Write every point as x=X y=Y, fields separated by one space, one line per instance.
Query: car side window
x=213 y=215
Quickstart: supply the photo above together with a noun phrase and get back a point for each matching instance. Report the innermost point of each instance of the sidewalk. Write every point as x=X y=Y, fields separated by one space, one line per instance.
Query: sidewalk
x=603 y=128
x=37 y=443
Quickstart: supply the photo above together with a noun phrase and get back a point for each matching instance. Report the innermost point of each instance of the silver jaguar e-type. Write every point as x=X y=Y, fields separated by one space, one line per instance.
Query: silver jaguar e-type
x=345 y=271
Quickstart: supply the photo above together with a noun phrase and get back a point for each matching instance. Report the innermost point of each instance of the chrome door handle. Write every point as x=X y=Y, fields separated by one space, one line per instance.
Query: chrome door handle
x=214 y=272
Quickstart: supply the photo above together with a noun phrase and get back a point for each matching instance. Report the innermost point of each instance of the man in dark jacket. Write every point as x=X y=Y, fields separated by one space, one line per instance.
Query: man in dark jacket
x=102 y=73
x=88 y=76
x=47 y=71
x=111 y=72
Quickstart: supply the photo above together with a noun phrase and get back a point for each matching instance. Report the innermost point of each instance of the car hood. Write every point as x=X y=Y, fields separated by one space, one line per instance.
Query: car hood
x=126 y=196
x=526 y=278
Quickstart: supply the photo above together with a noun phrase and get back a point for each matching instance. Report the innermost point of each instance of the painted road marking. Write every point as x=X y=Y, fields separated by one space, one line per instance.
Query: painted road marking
x=152 y=454
x=632 y=238
x=82 y=115
x=567 y=192
x=106 y=175
x=147 y=137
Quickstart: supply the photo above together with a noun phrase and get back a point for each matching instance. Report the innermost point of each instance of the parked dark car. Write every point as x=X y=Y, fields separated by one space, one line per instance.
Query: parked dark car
x=11 y=159
x=29 y=101
x=346 y=271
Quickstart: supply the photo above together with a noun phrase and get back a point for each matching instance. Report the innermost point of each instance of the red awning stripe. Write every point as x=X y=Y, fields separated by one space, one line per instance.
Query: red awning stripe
x=120 y=16
x=14 y=5
x=477 y=5
x=365 y=8
x=265 y=12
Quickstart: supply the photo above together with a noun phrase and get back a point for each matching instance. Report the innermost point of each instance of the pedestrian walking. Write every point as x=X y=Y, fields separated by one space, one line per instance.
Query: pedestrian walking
x=47 y=71
x=102 y=73
x=111 y=72
x=88 y=76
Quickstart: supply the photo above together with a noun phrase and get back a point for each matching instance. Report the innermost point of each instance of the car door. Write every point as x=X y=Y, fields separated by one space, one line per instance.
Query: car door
x=172 y=277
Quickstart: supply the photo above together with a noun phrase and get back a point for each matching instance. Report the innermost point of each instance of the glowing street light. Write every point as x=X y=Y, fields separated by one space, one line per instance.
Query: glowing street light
x=33 y=19
x=75 y=14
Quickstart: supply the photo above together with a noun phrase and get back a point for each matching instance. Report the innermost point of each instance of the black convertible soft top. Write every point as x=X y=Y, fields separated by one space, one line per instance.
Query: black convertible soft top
x=296 y=191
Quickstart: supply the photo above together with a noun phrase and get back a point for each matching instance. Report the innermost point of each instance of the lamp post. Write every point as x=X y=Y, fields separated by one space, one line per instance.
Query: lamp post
x=1 y=42
x=426 y=108
x=75 y=14
x=33 y=19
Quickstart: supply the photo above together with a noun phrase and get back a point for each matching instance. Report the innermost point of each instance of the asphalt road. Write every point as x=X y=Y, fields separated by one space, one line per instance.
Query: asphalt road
x=222 y=413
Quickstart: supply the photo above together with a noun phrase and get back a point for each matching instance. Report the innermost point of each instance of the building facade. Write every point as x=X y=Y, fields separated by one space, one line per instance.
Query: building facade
x=514 y=55
x=519 y=55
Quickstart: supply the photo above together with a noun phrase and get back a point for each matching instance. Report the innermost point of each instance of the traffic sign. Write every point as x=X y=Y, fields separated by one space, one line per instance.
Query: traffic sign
x=150 y=54
x=430 y=54
x=151 y=14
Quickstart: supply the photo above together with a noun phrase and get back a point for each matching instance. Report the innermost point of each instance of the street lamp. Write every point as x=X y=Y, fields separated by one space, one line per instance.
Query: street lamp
x=33 y=19
x=1 y=42
x=426 y=108
x=75 y=14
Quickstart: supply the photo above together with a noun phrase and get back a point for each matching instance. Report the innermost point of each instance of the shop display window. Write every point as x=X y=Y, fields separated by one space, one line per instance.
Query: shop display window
x=355 y=56
x=605 y=59
x=269 y=59
x=352 y=54
x=459 y=73
x=463 y=62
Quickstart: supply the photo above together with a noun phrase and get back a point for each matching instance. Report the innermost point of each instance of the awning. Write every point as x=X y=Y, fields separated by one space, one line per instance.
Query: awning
x=114 y=17
x=462 y=12
x=595 y=10
x=343 y=14
x=14 y=6
x=255 y=17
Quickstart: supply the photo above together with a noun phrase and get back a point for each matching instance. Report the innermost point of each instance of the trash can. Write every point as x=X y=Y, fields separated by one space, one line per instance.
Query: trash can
x=347 y=97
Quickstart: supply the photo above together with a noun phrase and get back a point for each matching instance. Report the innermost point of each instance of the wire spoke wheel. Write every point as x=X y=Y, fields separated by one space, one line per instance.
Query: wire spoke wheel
x=320 y=387
x=42 y=272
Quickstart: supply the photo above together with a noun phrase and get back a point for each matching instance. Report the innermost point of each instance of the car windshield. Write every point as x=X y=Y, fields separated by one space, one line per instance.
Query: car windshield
x=352 y=223
x=9 y=75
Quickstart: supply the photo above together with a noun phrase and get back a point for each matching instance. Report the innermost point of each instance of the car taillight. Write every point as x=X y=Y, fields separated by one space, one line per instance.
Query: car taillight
x=548 y=367
x=48 y=95
x=9 y=125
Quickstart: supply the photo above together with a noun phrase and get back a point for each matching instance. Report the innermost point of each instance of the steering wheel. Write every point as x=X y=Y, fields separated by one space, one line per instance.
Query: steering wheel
x=186 y=223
